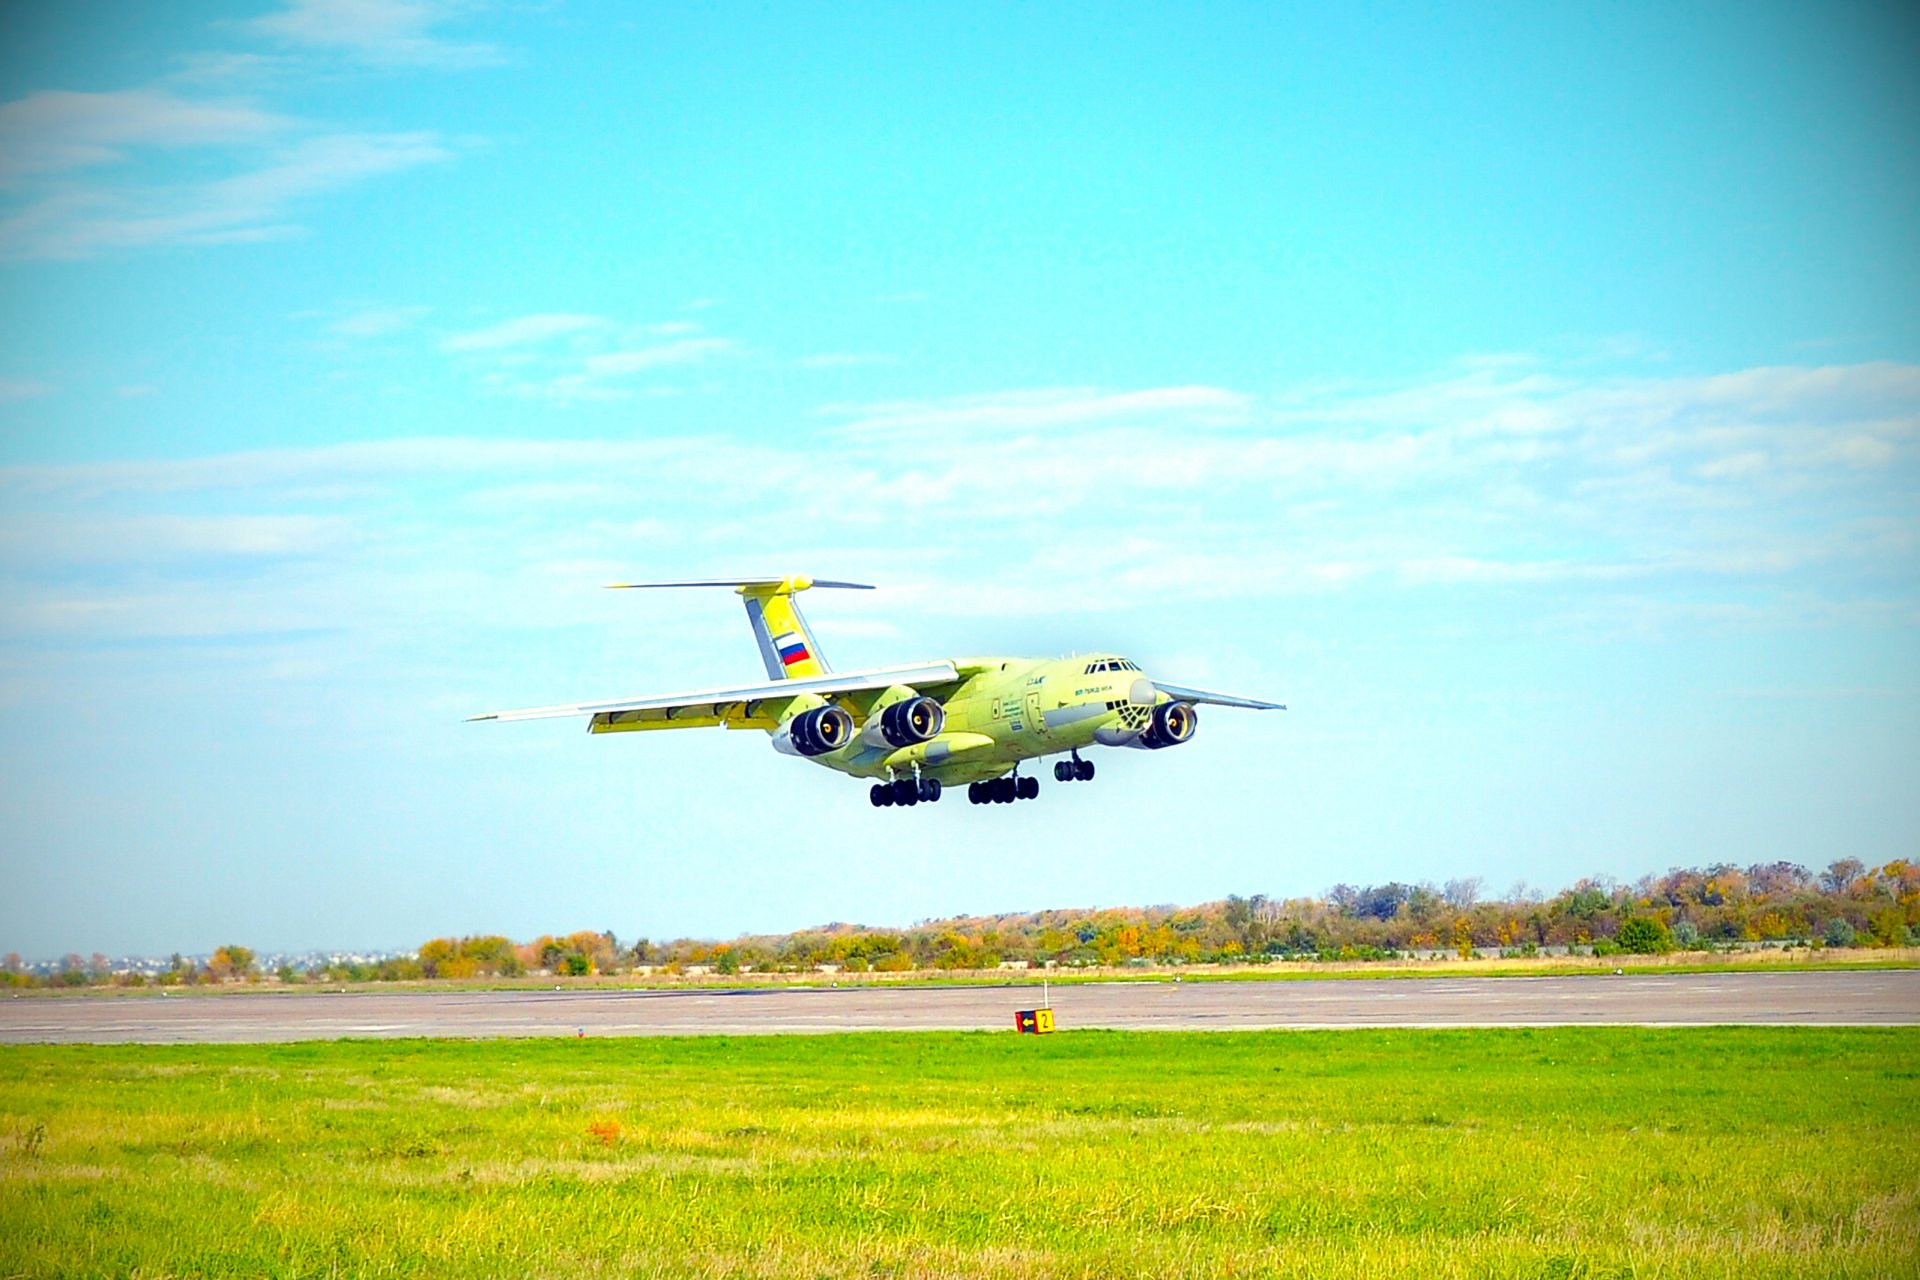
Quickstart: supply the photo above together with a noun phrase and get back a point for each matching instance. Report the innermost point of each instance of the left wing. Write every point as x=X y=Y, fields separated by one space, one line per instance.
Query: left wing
x=1181 y=693
x=747 y=706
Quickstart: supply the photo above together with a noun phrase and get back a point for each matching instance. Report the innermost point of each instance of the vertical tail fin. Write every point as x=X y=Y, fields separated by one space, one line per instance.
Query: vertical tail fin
x=787 y=646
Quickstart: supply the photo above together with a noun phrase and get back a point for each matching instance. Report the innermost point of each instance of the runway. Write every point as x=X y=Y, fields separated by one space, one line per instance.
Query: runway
x=1830 y=998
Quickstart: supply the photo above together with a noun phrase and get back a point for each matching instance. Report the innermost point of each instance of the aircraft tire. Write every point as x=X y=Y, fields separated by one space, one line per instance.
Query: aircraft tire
x=1083 y=770
x=1029 y=788
x=930 y=790
x=1004 y=791
x=878 y=794
x=1063 y=771
x=973 y=793
x=903 y=791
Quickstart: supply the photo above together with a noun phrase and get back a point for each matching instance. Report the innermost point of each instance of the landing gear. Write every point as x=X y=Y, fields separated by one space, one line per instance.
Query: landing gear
x=904 y=791
x=1074 y=770
x=1003 y=790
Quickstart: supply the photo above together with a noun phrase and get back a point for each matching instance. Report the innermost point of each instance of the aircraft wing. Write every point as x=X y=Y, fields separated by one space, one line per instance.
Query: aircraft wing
x=747 y=706
x=1183 y=694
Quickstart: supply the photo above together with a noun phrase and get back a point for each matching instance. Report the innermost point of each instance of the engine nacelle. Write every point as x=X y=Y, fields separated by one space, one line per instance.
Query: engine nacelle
x=905 y=723
x=814 y=733
x=1173 y=724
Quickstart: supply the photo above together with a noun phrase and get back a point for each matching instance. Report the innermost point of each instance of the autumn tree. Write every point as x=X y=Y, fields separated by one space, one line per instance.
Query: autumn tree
x=231 y=962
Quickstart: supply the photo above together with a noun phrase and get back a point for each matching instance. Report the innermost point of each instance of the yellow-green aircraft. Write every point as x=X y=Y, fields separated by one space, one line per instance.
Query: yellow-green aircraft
x=921 y=728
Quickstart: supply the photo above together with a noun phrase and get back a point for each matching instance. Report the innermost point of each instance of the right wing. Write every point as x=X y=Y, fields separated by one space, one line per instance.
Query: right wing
x=747 y=706
x=1182 y=693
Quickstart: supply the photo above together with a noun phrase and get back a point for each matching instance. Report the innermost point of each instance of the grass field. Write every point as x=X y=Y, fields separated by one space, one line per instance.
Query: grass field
x=1568 y=1153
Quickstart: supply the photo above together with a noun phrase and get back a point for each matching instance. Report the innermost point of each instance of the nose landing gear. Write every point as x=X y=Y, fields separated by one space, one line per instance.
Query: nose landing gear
x=1074 y=770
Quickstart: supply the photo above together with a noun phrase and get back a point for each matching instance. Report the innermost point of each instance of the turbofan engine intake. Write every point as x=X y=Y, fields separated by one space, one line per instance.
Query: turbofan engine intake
x=906 y=723
x=815 y=732
x=1173 y=724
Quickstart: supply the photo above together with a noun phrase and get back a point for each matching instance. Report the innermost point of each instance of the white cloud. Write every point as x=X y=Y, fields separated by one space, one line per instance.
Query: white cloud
x=392 y=33
x=616 y=364
x=1116 y=495
x=377 y=322
x=114 y=539
x=80 y=222
x=522 y=331
x=67 y=158
x=52 y=131
x=842 y=360
x=24 y=389
x=1051 y=407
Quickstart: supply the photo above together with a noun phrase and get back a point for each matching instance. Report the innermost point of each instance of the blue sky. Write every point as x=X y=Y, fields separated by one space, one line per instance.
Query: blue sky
x=1529 y=396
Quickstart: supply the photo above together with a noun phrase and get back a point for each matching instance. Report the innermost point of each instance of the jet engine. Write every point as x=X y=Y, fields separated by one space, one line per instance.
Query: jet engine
x=905 y=723
x=1173 y=724
x=815 y=732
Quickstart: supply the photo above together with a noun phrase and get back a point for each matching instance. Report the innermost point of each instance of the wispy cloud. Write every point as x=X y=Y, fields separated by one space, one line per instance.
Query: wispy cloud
x=378 y=322
x=617 y=364
x=522 y=331
x=527 y=366
x=1053 y=407
x=83 y=218
x=24 y=389
x=1116 y=494
x=387 y=33
x=52 y=131
x=123 y=540
x=842 y=360
x=75 y=166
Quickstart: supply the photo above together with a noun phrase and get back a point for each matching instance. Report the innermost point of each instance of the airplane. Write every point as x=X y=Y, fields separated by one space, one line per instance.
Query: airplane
x=920 y=728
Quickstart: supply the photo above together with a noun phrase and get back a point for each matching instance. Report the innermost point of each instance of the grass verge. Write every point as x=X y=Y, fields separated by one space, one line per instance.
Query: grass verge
x=1589 y=1152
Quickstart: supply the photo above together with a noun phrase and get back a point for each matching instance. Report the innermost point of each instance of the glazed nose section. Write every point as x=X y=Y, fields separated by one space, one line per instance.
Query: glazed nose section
x=1143 y=693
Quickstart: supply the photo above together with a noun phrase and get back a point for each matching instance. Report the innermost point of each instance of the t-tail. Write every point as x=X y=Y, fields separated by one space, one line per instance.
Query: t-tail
x=786 y=643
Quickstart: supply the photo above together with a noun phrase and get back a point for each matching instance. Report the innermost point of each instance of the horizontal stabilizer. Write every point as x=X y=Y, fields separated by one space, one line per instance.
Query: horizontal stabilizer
x=788 y=582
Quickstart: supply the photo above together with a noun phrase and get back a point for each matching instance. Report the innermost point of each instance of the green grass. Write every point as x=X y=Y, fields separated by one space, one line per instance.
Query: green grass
x=1602 y=1152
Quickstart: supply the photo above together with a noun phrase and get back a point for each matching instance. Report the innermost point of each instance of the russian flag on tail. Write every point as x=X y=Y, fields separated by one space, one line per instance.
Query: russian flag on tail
x=791 y=647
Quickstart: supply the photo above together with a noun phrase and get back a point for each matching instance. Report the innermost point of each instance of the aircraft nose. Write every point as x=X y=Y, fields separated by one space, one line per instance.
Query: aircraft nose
x=1143 y=692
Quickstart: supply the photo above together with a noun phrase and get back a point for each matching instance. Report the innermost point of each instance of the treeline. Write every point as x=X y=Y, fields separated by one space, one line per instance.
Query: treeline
x=1783 y=903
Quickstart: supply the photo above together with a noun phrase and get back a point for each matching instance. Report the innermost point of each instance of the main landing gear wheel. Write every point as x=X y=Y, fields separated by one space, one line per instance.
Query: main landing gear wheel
x=905 y=791
x=1003 y=790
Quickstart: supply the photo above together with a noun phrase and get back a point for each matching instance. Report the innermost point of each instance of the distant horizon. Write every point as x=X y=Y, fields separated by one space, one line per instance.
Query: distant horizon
x=1535 y=894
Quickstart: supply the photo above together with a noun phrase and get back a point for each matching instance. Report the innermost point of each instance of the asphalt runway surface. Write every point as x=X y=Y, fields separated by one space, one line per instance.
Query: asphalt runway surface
x=1830 y=998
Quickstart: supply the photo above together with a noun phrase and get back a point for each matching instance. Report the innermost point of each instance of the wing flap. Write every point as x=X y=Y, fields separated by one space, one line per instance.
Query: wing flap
x=703 y=715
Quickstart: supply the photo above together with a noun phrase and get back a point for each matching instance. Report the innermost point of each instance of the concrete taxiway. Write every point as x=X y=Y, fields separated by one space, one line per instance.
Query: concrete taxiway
x=1814 y=998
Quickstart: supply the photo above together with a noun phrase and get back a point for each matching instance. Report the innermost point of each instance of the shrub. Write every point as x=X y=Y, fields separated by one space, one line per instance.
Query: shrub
x=1838 y=933
x=1644 y=936
x=1686 y=935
